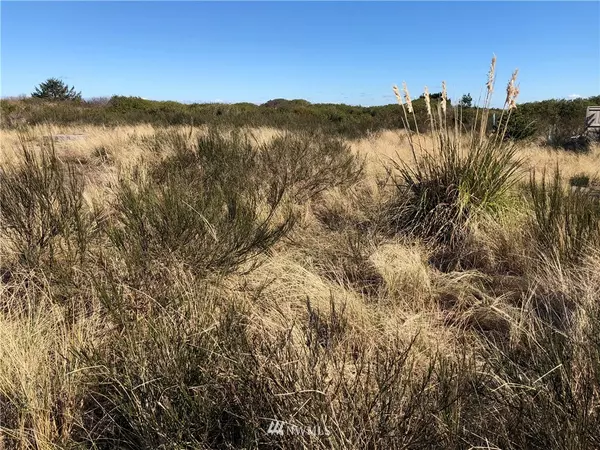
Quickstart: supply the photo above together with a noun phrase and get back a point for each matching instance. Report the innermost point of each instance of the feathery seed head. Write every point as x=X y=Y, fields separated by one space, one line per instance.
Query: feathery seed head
x=407 y=97
x=512 y=91
x=427 y=101
x=513 y=100
x=491 y=73
x=397 y=94
x=444 y=97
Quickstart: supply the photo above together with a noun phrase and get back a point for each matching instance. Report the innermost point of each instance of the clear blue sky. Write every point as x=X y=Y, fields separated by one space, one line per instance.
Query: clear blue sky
x=350 y=52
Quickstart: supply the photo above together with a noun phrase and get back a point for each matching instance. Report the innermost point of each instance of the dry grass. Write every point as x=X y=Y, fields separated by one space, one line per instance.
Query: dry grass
x=125 y=149
x=542 y=158
x=41 y=384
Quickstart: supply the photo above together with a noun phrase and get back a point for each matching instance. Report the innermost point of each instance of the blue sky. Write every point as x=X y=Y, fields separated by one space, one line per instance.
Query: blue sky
x=350 y=52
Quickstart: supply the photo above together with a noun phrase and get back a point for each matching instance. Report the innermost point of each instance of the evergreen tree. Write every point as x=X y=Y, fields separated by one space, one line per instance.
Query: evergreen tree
x=55 y=89
x=466 y=101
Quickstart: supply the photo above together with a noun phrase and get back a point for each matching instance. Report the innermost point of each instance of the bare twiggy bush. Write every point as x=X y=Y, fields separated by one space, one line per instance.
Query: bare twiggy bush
x=43 y=211
x=204 y=206
x=309 y=164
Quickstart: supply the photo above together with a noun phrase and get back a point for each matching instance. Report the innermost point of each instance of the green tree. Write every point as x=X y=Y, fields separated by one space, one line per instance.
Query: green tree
x=55 y=89
x=433 y=95
x=466 y=101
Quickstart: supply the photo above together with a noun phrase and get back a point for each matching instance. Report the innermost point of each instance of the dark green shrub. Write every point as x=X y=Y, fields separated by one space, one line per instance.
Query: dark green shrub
x=521 y=125
x=530 y=119
x=121 y=103
x=579 y=180
x=7 y=107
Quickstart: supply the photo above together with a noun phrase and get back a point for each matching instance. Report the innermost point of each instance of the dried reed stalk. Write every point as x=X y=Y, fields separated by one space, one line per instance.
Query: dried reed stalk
x=488 y=98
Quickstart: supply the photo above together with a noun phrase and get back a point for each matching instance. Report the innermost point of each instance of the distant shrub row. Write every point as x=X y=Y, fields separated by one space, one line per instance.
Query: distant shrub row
x=549 y=118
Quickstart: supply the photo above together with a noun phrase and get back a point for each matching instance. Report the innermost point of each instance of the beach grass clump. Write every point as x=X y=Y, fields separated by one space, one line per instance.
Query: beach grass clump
x=453 y=176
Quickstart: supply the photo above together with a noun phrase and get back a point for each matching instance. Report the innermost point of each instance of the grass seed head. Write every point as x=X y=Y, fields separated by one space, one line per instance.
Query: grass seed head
x=397 y=94
x=512 y=91
x=444 y=97
x=427 y=101
x=491 y=73
x=407 y=97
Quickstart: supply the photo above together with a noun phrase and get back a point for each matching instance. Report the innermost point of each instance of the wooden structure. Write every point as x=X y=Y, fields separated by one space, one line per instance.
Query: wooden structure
x=592 y=120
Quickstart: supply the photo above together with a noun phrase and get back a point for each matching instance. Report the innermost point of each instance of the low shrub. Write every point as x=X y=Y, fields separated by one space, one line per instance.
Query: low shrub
x=580 y=180
x=191 y=377
x=206 y=225
x=310 y=163
x=531 y=119
x=215 y=203
x=569 y=138
x=42 y=210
